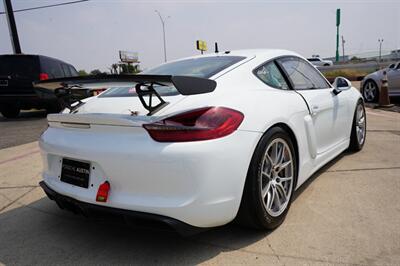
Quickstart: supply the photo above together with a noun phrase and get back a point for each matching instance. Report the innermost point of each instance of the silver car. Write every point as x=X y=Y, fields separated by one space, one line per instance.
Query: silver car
x=370 y=85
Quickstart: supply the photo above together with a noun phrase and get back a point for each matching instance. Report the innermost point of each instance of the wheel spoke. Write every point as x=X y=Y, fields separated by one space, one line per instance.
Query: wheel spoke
x=281 y=190
x=285 y=179
x=284 y=165
x=267 y=174
x=271 y=198
x=276 y=152
x=277 y=197
x=265 y=190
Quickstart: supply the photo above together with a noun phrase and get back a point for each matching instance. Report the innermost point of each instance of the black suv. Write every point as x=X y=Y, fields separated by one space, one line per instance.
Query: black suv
x=17 y=74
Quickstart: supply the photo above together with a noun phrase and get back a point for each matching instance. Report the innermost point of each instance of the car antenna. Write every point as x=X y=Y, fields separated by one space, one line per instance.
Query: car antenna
x=216 y=48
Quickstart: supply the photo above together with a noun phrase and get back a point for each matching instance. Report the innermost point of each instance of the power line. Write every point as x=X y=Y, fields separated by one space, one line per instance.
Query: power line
x=40 y=7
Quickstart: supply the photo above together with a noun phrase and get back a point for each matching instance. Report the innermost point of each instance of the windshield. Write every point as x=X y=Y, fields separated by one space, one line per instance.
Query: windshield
x=130 y=91
x=203 y=67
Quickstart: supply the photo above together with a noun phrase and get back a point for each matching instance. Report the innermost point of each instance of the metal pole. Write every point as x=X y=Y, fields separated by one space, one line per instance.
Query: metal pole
x=337 y=33
x=380 y=49
x=337 y=44
x=12 y=27
x=163 y=27
x=343 y=41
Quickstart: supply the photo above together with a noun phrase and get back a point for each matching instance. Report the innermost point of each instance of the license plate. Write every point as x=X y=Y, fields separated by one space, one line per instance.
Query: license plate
x=75 y=172
x=3 y=82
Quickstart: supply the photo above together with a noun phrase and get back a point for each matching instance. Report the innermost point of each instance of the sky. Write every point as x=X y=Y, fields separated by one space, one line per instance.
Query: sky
x=90 y=34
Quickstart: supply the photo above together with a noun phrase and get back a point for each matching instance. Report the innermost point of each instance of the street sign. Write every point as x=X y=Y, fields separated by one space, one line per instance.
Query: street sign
x=337 y=17
x=201 y=45
x=129 y=57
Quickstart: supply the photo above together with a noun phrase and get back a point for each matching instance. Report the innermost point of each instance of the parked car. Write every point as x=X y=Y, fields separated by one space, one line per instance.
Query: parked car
x=201 y=141
x=370 y=85
x=17 y=72
x=317 y=61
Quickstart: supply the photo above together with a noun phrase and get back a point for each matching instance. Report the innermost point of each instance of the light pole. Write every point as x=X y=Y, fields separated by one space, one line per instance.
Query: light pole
x=380 y=48
x=343 y=41
x=163 y=28
x=12 y=27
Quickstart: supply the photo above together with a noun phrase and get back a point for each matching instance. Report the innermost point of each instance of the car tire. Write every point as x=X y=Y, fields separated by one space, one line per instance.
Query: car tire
x=358 y=128
x=370 y=91
x=55 y=107
x=326 y=65
x=10 y=111
x=259 y=208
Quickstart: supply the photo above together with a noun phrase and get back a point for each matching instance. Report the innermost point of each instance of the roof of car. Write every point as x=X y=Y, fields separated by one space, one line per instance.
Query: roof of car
x=33 y=55
x=260 y=55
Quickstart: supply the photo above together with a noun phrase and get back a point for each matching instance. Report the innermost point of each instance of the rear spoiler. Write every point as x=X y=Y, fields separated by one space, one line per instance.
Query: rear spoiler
x=74 y=89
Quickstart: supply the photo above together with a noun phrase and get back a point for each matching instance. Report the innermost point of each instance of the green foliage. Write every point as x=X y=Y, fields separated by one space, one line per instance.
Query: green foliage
x=96 y=72
x=82 y=72
x=350 y=74
x=129 y=69
x=355 y=59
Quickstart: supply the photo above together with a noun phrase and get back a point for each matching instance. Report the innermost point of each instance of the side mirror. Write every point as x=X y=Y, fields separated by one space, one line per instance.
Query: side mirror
x=340 y=84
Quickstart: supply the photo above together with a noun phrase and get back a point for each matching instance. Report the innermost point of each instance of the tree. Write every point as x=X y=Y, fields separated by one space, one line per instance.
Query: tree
x=355 y=58
x=96 y=72
x=129 y=69
x=82 y=73
x=114 y=69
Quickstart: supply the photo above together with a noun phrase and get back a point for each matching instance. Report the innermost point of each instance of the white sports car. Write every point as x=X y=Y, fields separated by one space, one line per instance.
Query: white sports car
x=200 y=141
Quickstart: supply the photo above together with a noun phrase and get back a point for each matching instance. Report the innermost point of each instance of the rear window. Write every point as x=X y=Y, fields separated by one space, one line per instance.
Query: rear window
x=313 y=59
x=129 y=91
x=19 y=66
x=203 y=67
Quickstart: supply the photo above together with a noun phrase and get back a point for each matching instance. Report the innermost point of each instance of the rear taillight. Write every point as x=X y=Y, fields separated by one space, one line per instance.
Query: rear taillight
x=199 y=124
x=98 y=91
x=43 y=76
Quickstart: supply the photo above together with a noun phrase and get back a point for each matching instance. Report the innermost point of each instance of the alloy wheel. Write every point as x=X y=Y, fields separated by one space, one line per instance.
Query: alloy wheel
x=370 y=91
x=277 y=172
x=360 y=124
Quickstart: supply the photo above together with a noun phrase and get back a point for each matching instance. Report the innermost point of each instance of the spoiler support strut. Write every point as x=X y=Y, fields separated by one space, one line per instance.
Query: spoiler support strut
x=150 y=91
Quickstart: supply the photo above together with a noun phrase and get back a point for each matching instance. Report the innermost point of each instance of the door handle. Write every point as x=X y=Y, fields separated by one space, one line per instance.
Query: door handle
x=314 y=110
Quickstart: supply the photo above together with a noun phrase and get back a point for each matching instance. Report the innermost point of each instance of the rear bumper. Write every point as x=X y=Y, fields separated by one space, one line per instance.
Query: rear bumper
x=28 y=100
x=198 y=183
x=89 y=210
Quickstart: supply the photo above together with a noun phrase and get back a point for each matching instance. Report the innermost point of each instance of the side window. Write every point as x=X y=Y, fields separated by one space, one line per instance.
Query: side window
x=51 y=67
x=270 y=74
x=302 y=74
x=73 y=71
x=65 y=68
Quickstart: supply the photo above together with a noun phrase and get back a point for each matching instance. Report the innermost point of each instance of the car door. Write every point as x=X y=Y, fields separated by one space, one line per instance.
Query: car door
x=393 y=75
x=328 y=111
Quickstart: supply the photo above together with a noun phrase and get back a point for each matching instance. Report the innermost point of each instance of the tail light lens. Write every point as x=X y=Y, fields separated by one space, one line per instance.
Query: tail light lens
x=199 y=124
x=98 y=91
x=43 y=76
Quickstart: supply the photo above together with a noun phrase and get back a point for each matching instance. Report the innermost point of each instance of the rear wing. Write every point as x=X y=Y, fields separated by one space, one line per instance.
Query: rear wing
x=73 y=89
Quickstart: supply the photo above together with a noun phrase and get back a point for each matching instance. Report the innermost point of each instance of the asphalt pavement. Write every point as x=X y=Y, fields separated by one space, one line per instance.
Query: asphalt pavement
x=24 y=129
x=347 y=213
